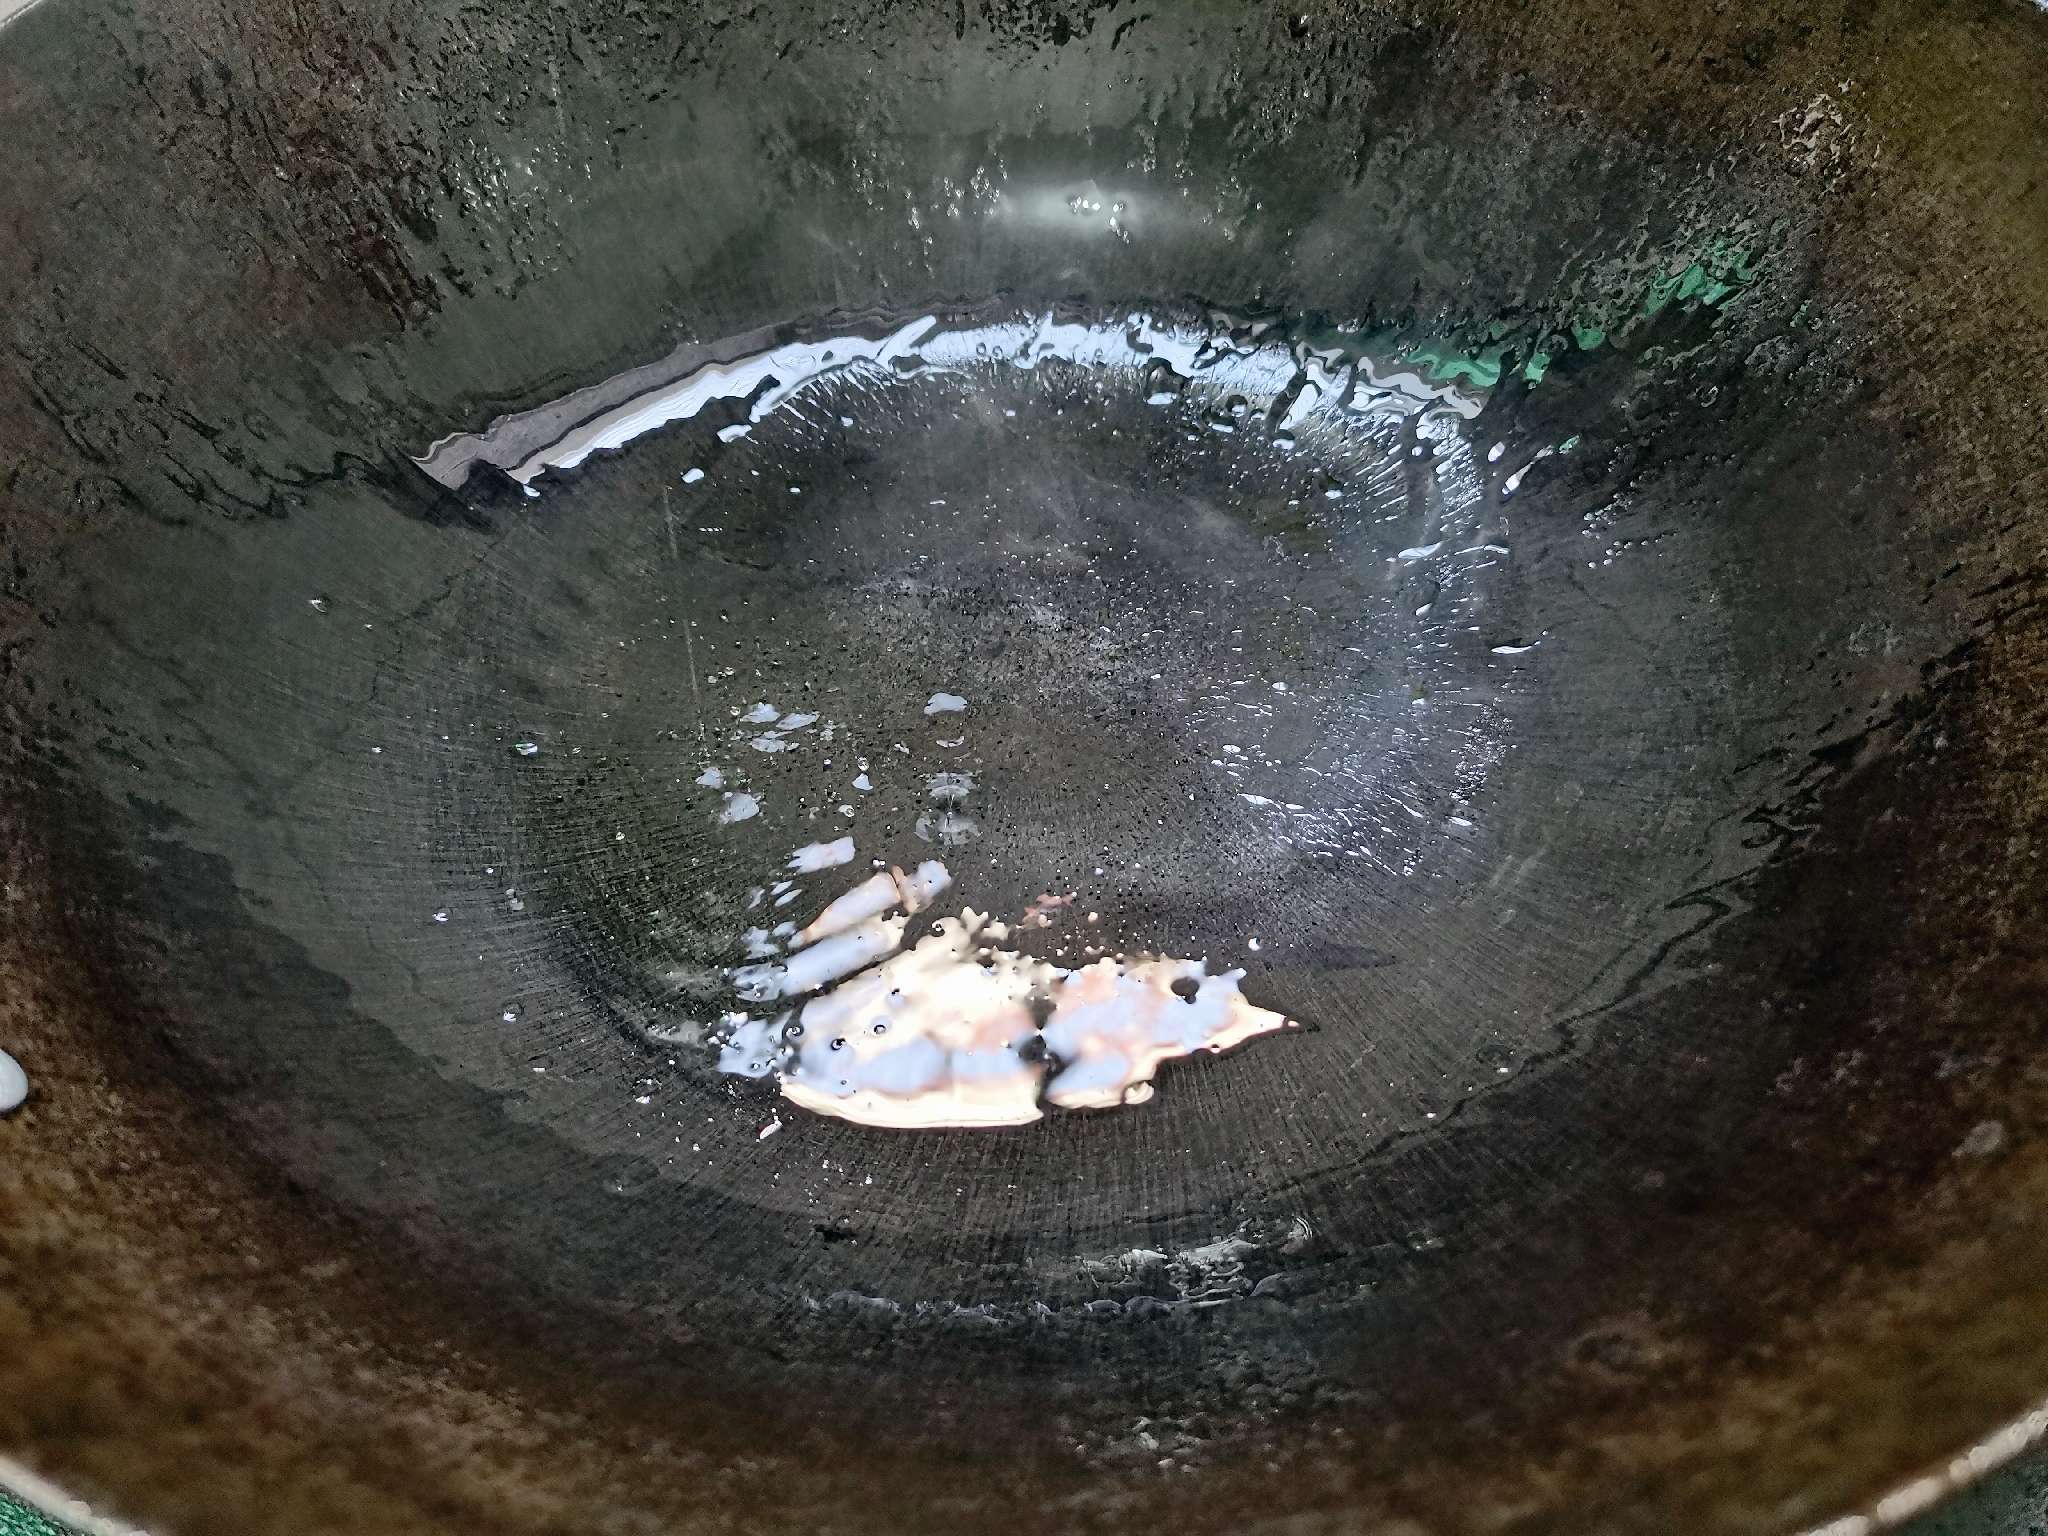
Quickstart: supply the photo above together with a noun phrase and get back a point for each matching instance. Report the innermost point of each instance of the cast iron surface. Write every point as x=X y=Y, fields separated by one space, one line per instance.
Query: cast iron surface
x=1666 y=1152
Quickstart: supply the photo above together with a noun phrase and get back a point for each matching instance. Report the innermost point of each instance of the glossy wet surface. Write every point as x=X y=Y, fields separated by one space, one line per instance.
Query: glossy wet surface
x=840 y=544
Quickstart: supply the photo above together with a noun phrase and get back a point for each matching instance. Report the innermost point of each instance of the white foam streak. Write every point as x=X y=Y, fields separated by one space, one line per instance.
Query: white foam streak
x=531 y=443
x=778 y=373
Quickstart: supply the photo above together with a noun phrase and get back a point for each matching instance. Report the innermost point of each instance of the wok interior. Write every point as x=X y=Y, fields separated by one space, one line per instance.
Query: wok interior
x=1637 y=819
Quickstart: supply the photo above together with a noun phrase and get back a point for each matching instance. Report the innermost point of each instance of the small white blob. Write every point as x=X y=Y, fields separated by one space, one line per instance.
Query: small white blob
x=923 y=884
x=816 y=856
x=739 y=807
x=945 y=703
x=13 y=1084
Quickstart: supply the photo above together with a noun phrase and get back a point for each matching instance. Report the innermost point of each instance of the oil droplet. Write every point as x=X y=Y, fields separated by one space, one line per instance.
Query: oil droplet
x=630 y=1180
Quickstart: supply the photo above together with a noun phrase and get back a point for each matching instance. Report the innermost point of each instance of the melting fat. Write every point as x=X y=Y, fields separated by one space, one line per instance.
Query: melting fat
x=959 y=1030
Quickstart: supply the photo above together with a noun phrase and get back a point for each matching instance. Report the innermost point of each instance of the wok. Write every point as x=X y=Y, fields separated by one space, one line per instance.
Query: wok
x=1518 y=527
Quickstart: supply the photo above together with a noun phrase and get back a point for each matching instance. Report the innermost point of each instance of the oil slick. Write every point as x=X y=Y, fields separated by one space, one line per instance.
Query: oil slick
x=866 y=1013
x=959 y=1029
